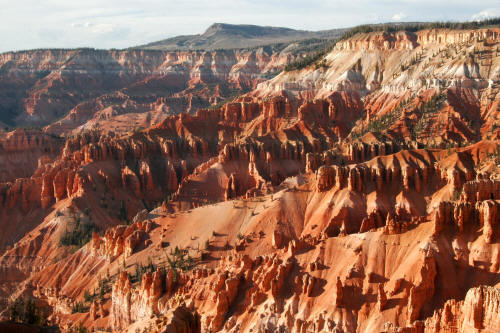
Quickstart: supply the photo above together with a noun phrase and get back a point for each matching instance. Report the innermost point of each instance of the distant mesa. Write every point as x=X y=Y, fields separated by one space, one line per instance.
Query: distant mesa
x=236 y=36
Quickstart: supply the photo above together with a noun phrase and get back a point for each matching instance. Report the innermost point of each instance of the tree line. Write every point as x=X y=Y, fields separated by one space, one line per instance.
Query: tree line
x=389 y=27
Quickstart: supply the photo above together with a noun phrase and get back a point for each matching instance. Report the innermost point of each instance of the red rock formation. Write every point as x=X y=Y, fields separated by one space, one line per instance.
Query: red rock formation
x=223 y=298
x=423 y=287
x=121 y=239
x=479 y=311
x=381 y=298
x=97 y=311
x=132 y=304
x=480 y=190
x=181 y=320
x=337 y=206
x=121 y=302
x=22 y=151
x=339 y=296
x=442 y=216
x=115 y=91
x=325 y=178
x=490 y=217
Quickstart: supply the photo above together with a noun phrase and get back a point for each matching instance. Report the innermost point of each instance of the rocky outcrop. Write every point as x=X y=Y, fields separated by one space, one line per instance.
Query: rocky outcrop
x=442 y=216
x=325 y=178
x=423 y=287
x=361 y=151
x=480 y=309
x=122 y=79
x=120 y=315
x=339 y=293
x=22 y=151
x=131 y=304
x=490 y=217
x=381 y=298
x=479 y=190
x=380 y=41
x=181 y=320
x=97 y=310
x=372 y=221
x=332 y=182
x=478 y=312
x=462 y=215
x=120 y=240
x=225 y=292
x=232 y=187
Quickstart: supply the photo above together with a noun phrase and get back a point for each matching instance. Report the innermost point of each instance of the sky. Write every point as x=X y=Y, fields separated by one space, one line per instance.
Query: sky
x=29 y=24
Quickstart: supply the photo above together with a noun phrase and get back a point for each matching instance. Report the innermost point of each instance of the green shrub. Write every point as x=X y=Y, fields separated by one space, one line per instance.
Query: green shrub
x=140 y=269
x=180 y=259
x=87 y=296
x=79 y=236
x=104 y=287
x=318 y=57
x=78 y=307
x=122 y=213
x=427 y=110
x=26 y=312
x=414 y=27
x=384 y=122
x=309 y=60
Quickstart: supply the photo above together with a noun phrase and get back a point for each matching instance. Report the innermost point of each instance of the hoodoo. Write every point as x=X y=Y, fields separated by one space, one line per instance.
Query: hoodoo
x=353 y=190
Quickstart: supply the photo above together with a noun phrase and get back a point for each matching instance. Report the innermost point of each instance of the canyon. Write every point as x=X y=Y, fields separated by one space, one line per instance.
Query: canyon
x=74 y=91
x=360 y=193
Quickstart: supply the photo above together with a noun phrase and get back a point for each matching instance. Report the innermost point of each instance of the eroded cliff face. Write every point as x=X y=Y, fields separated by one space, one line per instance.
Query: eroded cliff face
x=395 y=62
x=478 y=312
x=269 y=261
x=67 y=89
x=293 y=210
x=396 y=69
x=23 y=151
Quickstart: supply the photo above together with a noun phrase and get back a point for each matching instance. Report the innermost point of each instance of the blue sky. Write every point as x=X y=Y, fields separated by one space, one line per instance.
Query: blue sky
x=27 y=24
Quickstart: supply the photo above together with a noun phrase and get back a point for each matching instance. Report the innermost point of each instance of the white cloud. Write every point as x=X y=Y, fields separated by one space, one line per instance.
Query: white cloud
x=28 y=24
x=95 y=28
x=81 y=25
x=486 y=14
x=399 y=16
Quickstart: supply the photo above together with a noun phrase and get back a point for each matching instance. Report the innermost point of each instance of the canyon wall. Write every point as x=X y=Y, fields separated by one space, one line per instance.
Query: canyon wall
x=68 y=88
x=341 y=197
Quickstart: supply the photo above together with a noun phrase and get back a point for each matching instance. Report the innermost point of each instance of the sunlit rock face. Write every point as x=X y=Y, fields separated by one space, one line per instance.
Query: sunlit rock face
x=361 y=194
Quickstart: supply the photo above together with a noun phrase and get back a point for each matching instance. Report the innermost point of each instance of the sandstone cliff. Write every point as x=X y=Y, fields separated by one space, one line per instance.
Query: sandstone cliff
x=67 y=89
x=307 y=205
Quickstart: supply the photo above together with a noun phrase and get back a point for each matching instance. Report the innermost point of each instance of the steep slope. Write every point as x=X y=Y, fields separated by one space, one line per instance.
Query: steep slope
x=317 y=202
x=389 y=69
x=79 y=90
